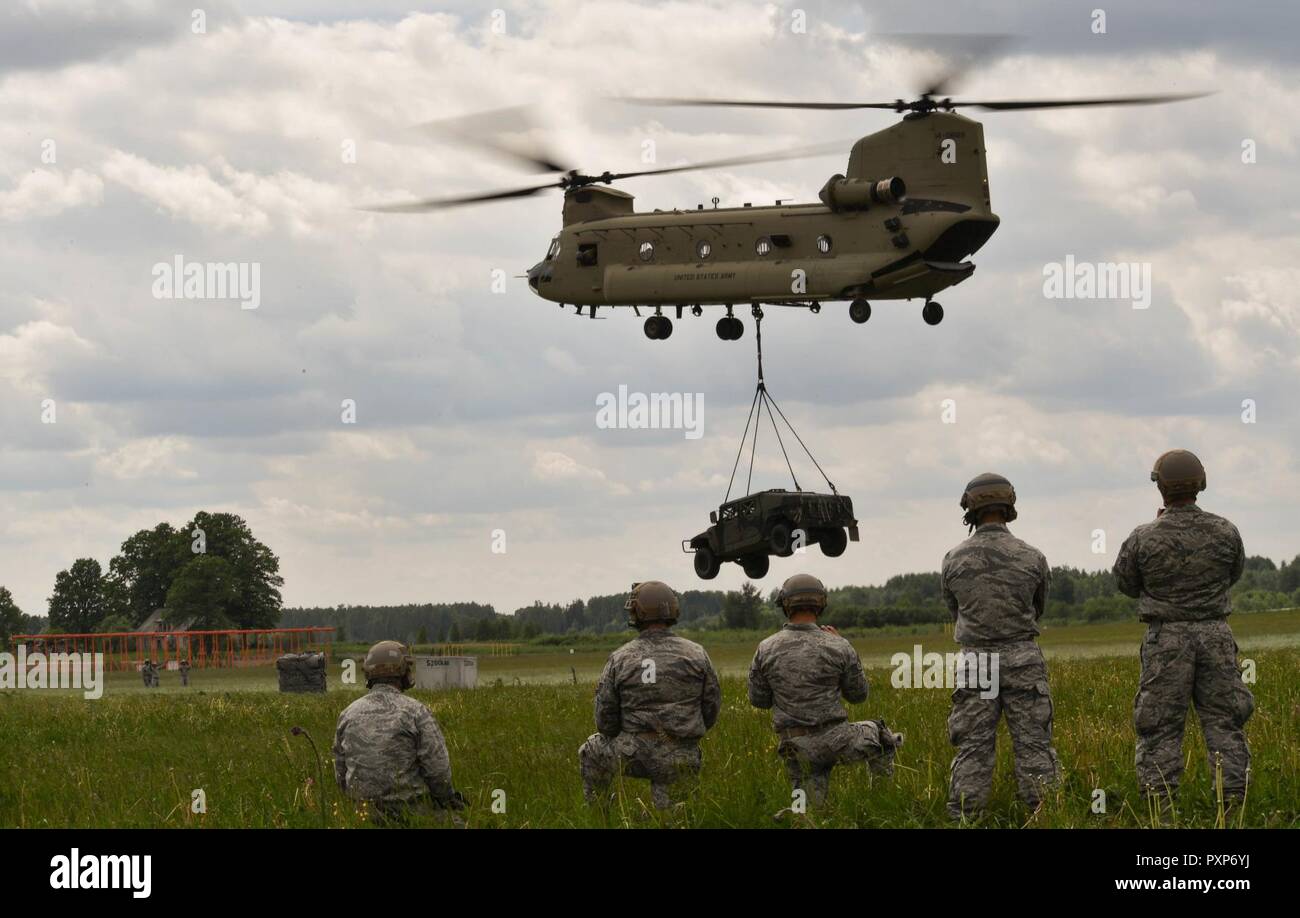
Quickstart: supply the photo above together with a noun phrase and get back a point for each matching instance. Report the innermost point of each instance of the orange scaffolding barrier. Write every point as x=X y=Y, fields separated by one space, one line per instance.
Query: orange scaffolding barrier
x=127 y=650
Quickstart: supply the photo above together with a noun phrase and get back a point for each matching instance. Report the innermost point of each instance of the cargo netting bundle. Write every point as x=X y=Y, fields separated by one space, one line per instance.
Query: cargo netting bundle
x=301 y=672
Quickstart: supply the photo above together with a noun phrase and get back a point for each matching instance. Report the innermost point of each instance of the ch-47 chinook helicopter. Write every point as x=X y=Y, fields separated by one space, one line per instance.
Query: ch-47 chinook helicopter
x=900 y=223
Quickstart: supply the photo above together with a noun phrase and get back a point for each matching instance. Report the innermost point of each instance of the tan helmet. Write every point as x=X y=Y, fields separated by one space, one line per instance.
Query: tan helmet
x=389 y=660
x=651 y=601
x=1178 y=473
x=988 y=490
x=802 y=591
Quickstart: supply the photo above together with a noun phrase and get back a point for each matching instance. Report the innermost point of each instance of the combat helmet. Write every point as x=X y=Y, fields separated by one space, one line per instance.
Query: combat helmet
x=1178 y=473
x=389 y=660
x=802 y=591
x=988 y=490
x=651 y=601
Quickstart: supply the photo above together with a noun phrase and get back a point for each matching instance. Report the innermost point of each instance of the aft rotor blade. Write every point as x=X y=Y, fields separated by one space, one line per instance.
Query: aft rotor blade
x=1026 y=104
x=756 y=103
x=430 y=204
x=799 y=153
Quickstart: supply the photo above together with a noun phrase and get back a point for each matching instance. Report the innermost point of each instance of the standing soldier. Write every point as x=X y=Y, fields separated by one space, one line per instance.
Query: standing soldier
x=388 y=750
x=184 y=670
x=657 y=697
x=995 y=585
x=146 y=673
x=800 y=673
x=1180 y=567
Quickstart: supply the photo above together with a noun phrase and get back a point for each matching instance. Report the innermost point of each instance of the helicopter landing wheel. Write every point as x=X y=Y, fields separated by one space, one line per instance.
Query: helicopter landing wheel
x=730 y=328
x=932 y=313
x=657 y=328
x=859 y=311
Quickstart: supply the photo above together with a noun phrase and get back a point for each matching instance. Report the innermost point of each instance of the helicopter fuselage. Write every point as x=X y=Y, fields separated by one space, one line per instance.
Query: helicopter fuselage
x=859 y=241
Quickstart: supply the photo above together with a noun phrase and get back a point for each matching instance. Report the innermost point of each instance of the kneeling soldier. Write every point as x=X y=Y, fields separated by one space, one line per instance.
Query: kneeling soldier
x=800 y=673
x=388 y=750
x=656 y=698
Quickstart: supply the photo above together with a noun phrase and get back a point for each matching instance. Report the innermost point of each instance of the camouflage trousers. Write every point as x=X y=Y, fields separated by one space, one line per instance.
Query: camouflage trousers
x=1023 y=696
x=671 y=765
x=403 y=814
x=810 y=757
x=1186 y=663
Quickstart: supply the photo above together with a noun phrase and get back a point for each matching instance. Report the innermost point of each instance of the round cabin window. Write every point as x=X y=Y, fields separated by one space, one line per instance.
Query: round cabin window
x=647 y=251
x=703 y=249
x=763 y=246
x=824 y=244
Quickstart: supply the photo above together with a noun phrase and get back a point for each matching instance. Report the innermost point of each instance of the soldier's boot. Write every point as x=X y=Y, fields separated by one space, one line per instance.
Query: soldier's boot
x=1162 y=805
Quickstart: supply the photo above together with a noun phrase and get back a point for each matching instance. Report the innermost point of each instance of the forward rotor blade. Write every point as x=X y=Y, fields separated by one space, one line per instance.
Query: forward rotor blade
x=492 y=130
x=1026 y=104
x=755 y=103
x=431 y=204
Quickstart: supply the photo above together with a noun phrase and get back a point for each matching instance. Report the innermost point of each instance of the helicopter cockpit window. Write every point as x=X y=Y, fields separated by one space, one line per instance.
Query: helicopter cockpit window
x=763 y=246
x=703 y=249
x=647 y=251
x=586 y=254
x=824 y=244
x=554 y=250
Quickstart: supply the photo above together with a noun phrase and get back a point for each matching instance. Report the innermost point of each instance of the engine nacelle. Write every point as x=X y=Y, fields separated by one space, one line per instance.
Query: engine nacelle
x=841 y=193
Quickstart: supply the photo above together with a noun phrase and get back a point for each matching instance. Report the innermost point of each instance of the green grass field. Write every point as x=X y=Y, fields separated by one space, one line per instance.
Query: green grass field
x=134 y=757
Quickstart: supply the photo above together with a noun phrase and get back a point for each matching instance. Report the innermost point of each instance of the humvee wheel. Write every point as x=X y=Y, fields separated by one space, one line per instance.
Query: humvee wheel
x=859 y=311
x=756 y=566
x=932 y=313
x=833 y=542
x=706 y=563
x=778 y=539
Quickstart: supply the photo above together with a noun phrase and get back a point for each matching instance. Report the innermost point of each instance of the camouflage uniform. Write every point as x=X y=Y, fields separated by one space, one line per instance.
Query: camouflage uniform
x=184 y=670
x=389 y=752
x=146 y=673
x=1180 y=567
x=651 y=728
x=995 y=585
x=800 y=673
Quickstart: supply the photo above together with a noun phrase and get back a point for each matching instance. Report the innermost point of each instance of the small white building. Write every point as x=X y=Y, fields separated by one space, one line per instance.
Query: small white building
x=445 y=672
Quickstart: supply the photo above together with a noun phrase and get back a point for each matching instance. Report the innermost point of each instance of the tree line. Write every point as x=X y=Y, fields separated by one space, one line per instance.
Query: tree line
x=213 y=573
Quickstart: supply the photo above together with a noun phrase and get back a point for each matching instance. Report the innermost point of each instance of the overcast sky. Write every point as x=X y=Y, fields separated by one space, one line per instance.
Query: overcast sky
x=476 y=411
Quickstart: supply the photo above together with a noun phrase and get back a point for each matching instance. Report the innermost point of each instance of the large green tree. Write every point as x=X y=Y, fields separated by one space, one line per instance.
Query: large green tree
x=143 y=571
x=255 y=569
x=204 y=594
x=79 y=603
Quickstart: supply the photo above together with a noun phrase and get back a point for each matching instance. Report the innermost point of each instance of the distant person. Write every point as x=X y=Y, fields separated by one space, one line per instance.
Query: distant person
x=1180 y=567
x=801 y=673
x=184 y=669
x=657 y=697
x=995 y=585
x=388 y=750
x=146 y=673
